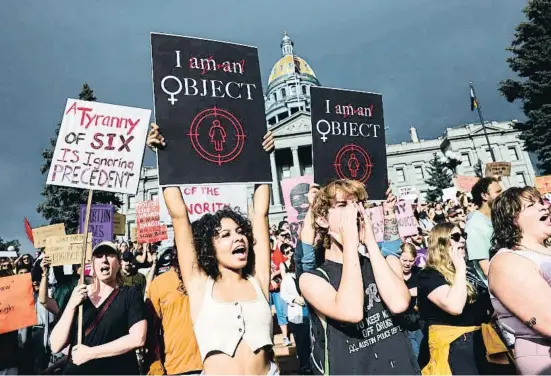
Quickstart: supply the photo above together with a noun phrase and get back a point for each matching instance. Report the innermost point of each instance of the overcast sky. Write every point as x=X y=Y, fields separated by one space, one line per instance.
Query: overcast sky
x=421 y=54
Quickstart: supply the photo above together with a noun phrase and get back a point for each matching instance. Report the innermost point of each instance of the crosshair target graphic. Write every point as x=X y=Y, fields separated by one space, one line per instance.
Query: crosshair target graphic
x=217 y=136
x=353 y=162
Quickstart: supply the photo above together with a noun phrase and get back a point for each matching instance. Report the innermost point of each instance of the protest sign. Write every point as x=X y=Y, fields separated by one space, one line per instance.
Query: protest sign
x=100 y=224
x=67 y=250
x=148 y=221
x=8 y=254
x=100 y=146
x=41 y=234
x=465 y=183
x=407 y=223
x=210 y=105
x=407 y=190
x=348 y=138
x=376 y=213
x=295 y=196
x=543 y=184
x=17 y=306
x=498 y=169
x=119 y=224
x=201 y=200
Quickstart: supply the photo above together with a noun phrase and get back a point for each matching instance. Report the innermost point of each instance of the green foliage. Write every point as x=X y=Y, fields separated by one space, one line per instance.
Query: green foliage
x=440 y=177
x=62 y=204
x=531 y=49
x=5 y=244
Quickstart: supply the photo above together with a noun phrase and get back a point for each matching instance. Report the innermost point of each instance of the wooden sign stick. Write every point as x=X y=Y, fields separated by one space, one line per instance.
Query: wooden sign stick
x=83 y=260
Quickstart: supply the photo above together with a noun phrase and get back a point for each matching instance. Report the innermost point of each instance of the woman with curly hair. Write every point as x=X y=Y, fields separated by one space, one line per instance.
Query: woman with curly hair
x=520 y=275
x=225 y=265
x=451 y=306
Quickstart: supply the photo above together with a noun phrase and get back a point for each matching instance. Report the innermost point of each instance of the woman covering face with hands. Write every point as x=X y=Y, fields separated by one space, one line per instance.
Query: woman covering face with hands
x=225 y=264
x=349 y=290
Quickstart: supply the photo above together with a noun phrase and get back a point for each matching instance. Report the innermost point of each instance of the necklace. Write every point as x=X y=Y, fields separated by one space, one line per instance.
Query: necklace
x=533 y=250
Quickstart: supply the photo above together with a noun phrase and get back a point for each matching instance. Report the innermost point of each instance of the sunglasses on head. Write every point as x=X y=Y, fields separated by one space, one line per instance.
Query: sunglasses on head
x=456 y=236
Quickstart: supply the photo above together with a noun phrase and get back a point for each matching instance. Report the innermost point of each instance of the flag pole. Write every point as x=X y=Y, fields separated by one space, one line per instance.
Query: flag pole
x=482 y=121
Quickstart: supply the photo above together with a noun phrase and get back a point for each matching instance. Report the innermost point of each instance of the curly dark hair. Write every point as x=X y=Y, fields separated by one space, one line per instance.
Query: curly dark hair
x=480 y=188
x=505 y=211
x=206 y=229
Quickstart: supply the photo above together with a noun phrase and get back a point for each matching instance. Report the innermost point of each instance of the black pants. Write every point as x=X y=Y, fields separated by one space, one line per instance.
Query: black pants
x=302 y=339
x=34 y=357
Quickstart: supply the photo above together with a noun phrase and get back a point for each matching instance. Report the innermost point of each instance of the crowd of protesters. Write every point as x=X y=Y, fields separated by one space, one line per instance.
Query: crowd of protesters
x=469 y=293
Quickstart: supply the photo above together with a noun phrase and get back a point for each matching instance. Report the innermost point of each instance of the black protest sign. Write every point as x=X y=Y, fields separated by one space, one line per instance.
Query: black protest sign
x=348 y=138
x=210 y=107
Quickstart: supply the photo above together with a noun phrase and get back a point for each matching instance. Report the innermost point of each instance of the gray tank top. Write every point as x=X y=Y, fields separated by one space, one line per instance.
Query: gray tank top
x=508 y=320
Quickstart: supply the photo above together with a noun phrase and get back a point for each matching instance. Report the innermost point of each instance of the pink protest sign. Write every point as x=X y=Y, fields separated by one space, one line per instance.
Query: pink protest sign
x=295 y=197
x=407 y=223
x=378 y=222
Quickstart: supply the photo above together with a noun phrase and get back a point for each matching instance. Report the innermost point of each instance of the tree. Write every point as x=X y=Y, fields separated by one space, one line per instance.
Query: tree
x=62 y=204
x=5 y=244
x=440 y=177
x=478 y=168
x=531 y=50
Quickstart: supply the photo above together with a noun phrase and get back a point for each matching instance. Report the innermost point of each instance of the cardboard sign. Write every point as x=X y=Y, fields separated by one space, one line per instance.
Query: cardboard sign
x=100 y=146
x=295 y=196
x=67 y=250
x=543 y=184
x=348 y=138
x=407 y=223
x=41 y=234
x=201 y=200
x=17 y=306
x=407 y=190
x=100 y=224
x=119 y=224
x=148 y=221
x=377 y=219
x=498 y=169
x=465 y=183
x=209 y=103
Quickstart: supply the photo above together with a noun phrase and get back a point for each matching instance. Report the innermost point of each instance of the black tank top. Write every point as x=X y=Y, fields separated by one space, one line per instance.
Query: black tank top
x=376 y=345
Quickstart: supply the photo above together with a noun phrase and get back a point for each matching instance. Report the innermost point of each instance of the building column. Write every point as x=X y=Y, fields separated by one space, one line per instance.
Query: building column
x=275 y=181
x=296 y=161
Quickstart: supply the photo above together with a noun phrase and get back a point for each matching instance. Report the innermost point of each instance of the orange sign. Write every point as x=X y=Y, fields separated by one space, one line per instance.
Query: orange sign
x=543 y=184
x=17 y=308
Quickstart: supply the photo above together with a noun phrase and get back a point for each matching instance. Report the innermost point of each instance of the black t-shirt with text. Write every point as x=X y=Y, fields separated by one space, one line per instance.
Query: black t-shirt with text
x=127 y=309
x=473 y=314
x=376 y=345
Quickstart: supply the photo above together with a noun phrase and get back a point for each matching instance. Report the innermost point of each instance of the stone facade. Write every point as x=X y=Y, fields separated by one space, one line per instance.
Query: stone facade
x=288 y=117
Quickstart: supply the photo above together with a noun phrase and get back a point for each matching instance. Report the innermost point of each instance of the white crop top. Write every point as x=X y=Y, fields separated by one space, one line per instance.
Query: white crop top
x=221 y=325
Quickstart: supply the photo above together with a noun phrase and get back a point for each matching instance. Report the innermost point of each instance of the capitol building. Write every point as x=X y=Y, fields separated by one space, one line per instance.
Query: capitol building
x=287 y=100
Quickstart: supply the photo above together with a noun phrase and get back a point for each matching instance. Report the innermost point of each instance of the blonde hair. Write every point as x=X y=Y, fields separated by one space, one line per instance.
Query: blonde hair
x=439 y=257
x=95 y=278
x=324 y=201
x=409 y=248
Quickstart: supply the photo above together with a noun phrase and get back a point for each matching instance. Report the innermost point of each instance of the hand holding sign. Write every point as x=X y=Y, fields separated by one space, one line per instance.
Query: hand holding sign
x=154 y=138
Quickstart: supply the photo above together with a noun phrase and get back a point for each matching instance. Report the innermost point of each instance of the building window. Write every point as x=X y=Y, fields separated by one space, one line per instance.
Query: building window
x=521 y=180
x=129 y=226
x=154 y=195
x=283 y=93
x=419 y=175
x=400 y=175
x=131 y=202
x=293 y=90
x=466 y=159
x=285 y=172
x=304 y=90
x=307 y=170
x=513 y=155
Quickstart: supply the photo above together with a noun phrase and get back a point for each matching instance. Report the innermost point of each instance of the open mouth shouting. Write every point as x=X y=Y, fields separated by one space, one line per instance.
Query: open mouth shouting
x=105 y=270
x=240 y=252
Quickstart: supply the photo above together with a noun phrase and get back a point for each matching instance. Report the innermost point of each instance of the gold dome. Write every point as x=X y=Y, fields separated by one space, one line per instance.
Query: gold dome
x=285 y=66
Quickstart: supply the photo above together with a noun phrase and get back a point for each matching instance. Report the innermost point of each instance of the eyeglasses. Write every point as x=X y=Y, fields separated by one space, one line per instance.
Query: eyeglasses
x=456 y=236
